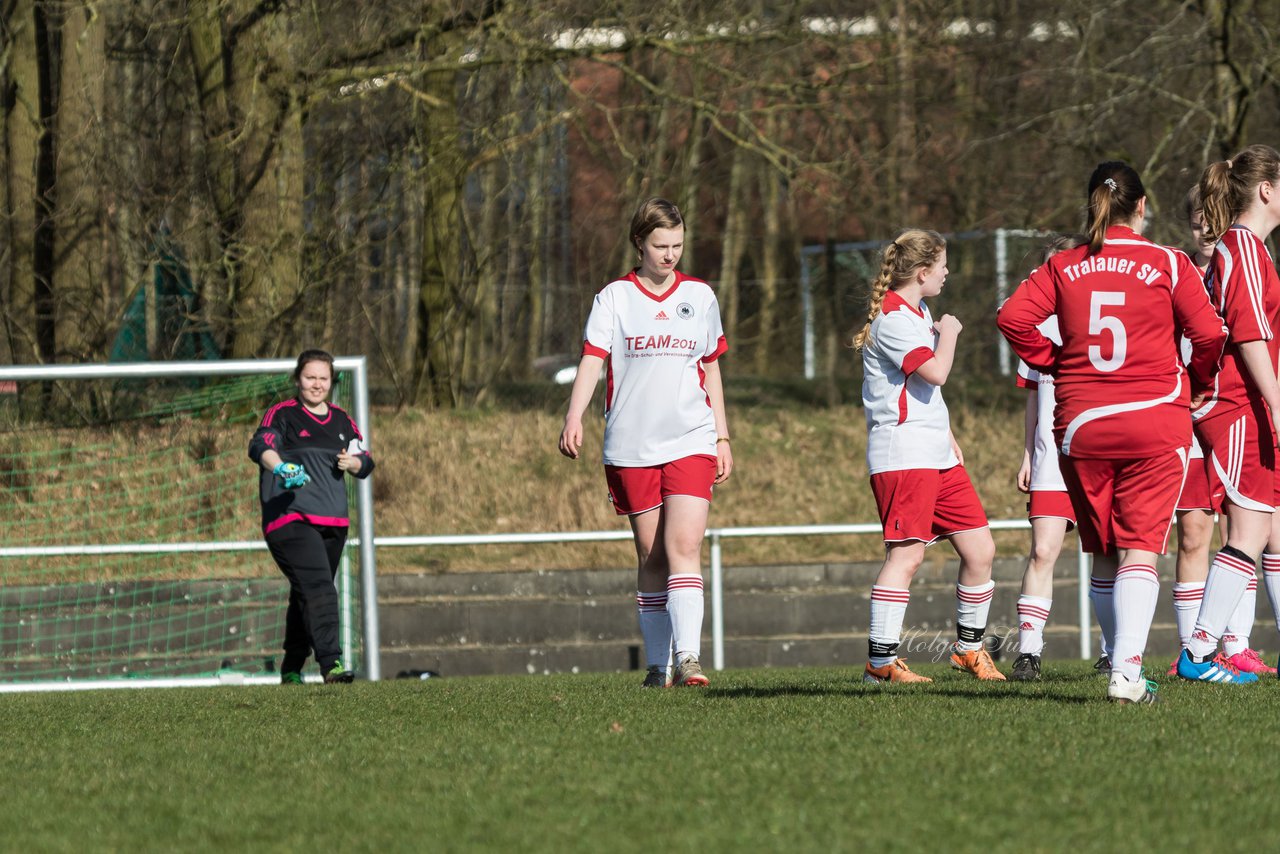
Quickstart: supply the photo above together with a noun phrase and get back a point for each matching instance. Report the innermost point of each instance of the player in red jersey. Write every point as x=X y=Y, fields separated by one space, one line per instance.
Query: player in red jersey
x=1241 y=204
x=1201 y=499
x=917 y=471
x=666 y=437
x=1122 y=420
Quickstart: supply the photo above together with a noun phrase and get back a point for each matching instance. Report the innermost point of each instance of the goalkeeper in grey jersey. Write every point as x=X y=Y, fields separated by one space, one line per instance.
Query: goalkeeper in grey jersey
x=305 y=447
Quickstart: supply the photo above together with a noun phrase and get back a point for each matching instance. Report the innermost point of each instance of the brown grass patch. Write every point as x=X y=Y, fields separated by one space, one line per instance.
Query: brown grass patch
x=471 y=472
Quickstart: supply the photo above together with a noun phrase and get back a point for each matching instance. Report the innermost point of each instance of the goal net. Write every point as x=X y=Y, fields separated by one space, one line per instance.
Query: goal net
x=133 y=552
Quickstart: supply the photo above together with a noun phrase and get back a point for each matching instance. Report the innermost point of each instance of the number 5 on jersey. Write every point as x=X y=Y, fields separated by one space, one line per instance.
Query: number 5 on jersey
x=1100 y=323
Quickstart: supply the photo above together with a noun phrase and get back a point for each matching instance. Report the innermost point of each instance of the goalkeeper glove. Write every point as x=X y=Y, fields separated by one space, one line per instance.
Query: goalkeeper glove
x=291 y=475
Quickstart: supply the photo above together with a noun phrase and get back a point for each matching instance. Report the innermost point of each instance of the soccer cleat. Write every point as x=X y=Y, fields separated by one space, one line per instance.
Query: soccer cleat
x=291 y=678
x=689 y=673
x=1248 y=661
x=338 y=673
x=894 y=671
x=1102 y=666
x=1173 y=668
x=976 y=661
x=1026 y=668
x=1123 y=692
x=1216 y=670
x=656 y=677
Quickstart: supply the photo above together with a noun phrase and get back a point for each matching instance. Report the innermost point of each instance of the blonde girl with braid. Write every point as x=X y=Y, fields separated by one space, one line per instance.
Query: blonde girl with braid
x=922 y=490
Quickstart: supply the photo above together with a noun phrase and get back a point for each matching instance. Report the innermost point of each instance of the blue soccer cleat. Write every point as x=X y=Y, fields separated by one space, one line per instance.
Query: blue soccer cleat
x=1216 y=670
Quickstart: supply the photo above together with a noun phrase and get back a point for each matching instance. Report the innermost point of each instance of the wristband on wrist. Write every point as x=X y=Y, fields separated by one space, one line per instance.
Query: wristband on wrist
x=724 y=439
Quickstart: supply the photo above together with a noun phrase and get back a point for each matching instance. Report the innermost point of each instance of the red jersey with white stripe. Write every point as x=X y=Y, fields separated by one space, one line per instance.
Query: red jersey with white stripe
x=1046 y=475
x=908 y=426
x=1121 y=387
x=1245 y=290
x=654 y=347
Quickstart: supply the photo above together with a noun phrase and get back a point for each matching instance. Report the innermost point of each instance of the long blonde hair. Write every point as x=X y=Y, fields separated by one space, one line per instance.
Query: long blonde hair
x=1226 y=187
x=911 y=251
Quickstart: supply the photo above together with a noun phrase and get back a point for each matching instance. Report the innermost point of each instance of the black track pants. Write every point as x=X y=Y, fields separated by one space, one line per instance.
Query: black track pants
x=308 y=556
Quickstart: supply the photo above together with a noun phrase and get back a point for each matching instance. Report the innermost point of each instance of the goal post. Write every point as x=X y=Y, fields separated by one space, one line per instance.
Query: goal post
x=133 y=554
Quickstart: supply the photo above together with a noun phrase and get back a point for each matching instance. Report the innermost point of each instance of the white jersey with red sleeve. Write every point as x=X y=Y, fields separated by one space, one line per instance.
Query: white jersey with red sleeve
x=1245 y=290
x=654 y=347
x=1046 y=475
x=908 y=426
x=1121 y=387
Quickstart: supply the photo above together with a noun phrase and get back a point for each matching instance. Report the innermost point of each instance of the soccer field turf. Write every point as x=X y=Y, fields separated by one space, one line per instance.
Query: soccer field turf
x=803 y=759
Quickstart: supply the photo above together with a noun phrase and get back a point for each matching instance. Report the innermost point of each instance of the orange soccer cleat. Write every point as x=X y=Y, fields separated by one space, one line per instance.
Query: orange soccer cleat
x=896 y=671
x=976 y=661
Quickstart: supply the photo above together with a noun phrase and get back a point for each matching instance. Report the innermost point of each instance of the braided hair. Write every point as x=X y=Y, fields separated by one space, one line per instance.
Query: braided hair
x=912 y=250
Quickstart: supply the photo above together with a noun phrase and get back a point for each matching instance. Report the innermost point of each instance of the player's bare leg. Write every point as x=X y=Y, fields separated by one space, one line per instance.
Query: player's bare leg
x=889 y=598
x=1036 y=596
x=974 y=589
x=651 y=596
x=1233 y=568
x=684 y=524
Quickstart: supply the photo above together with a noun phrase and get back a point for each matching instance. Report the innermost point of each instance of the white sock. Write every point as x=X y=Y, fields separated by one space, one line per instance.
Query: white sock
x=684 y=604
x=1236 y=637
x=972 y=606
x=655 y=628
x=1229 y=575
x=1101 y=596
x=1136 y=589
x=1033 y=613
x=1186 y=607
x=888 y=610
x=1271 y=578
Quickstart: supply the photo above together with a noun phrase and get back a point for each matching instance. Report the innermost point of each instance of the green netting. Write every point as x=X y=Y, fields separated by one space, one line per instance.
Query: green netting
x=159 y=321
x=142 y=462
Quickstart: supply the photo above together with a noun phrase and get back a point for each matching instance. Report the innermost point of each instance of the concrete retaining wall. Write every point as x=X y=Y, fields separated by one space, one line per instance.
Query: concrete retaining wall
x=812 y=614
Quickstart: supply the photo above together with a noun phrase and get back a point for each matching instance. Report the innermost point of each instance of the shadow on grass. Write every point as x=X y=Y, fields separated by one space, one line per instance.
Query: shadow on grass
x=857 y=690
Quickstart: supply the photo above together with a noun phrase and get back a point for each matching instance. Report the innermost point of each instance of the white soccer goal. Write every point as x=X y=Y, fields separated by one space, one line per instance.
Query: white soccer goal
x=132 y=554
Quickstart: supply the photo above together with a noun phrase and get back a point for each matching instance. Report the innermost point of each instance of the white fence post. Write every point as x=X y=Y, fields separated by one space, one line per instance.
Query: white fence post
x=717 y=603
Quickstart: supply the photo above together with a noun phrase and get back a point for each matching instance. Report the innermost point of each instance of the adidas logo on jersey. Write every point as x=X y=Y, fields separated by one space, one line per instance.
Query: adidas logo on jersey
x=305 y=434
x=661 y=315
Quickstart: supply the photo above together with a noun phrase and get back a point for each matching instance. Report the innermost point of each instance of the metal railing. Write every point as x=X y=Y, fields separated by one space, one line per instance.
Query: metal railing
x=715 y=538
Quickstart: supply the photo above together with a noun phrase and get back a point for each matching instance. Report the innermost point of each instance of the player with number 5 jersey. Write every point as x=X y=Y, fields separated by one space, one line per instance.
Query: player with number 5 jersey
x=1123 y=421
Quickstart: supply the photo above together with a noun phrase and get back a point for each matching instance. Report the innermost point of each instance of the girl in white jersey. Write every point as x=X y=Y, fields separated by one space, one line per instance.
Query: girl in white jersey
x=917 y=474
x=1049 y=506
x=666 y=437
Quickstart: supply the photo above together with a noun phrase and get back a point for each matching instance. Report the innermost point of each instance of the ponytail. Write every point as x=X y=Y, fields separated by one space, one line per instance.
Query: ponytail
x=910 y=251
x=1227 y=186
x=1114 y=192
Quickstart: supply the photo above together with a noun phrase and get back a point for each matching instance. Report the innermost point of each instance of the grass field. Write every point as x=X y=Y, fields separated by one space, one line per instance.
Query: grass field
x=794 y=760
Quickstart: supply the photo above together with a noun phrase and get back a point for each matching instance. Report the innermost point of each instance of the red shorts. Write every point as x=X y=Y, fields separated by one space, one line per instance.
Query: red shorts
x=1051 y=504
x=637 y=489
x=1125 y=504
x=1241 y=450
x=925 y=504
x=1202 y=490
